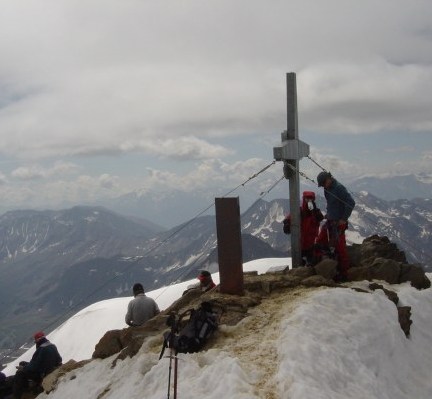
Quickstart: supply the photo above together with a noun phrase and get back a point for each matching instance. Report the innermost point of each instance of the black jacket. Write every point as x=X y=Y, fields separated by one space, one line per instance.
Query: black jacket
x=339 y=202
x=45 y=359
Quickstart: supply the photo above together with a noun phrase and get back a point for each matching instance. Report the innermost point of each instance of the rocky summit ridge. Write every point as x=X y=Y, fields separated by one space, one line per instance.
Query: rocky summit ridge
x=376 y=265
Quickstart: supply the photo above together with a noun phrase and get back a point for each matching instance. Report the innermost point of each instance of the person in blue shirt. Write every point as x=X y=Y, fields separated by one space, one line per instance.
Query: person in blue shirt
x=340 y=205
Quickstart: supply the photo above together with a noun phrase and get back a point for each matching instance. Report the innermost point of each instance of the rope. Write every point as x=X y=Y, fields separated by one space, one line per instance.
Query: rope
x=300 y=173
x=249 y=179
x=316 y=163
x=264 y=193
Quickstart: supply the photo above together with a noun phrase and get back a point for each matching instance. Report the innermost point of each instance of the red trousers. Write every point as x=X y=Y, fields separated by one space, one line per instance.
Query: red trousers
x=331 y=237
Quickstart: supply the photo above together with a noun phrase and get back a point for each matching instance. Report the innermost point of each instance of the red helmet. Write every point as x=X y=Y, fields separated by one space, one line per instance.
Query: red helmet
x=309 y=194
x=39 y=335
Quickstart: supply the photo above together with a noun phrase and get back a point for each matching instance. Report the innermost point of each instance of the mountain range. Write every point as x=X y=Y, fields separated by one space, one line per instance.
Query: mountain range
x=53 y=262
x=395 y=187
x=172 y=208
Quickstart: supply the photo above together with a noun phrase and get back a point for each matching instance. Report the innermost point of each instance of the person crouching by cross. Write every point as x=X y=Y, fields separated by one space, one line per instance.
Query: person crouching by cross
x=310 y=219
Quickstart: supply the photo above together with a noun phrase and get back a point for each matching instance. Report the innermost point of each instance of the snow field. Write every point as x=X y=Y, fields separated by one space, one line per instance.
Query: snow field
x=211 y=374
x=325 y=343
x=241 y=363
x=350 y=345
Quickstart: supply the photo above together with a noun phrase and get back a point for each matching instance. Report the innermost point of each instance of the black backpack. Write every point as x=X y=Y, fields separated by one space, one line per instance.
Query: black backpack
x=194 y=334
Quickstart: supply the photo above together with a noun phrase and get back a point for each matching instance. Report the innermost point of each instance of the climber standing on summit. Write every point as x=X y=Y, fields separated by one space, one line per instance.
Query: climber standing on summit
x=332 y=234
x=310 y=217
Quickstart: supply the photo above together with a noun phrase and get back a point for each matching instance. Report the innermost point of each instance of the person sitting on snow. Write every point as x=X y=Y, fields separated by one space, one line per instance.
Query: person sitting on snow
x=310 y=217
x=141 y=308
x=44 y=361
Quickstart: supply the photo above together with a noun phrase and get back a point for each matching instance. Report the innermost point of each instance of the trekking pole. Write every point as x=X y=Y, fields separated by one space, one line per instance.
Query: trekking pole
x=175 y=374
x=172 y=322
x=169 y=374
x=164 y=346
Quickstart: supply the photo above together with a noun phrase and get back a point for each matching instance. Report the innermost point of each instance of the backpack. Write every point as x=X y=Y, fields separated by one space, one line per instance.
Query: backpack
x=195 y=333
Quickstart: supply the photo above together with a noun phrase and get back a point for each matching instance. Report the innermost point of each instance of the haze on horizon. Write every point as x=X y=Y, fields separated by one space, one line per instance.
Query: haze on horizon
x=102 y=98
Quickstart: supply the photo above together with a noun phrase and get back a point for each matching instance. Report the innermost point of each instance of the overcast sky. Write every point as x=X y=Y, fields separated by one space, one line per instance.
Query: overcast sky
x=101 y=97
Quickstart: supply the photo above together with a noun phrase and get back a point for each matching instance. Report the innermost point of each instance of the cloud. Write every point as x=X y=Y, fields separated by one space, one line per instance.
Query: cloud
x=136 y=72
x=108 y=182
x=28 y=173
x=209 y=177
x=181 y=148
x=366 y=98
x=35 y=172
x=427 y=156
x=213 y=175
x=3 y=179
x=337 y=165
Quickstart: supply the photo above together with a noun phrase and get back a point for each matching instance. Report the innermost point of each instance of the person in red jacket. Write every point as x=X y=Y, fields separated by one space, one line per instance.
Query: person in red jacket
x=310 y=217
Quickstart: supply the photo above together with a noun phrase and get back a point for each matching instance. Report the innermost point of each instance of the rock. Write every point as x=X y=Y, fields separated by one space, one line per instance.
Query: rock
x=285 y=281
x=252 y=284
x=385 y=269
x=379 y=247
x=49 y=383
x=375 y=286
x=390 y=294
x=354 y=254
x=108 y=345
x=327 y=268
x=318 y=281
x=301 y=272
x=358 y=289
x=377 y=239
x=415 y=275
x=358 y=273
x=405 y=321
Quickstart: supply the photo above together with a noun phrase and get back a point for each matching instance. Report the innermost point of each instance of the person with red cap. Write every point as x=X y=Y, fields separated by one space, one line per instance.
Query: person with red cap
x=310 y=217
x=45 y=359
x=205 y=284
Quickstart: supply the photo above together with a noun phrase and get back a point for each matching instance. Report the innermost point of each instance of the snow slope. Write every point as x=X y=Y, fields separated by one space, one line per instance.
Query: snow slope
x=317 y=344
x=77 y=337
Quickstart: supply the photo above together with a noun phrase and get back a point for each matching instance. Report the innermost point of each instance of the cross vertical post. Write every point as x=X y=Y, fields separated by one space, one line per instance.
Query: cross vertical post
x=291 y=151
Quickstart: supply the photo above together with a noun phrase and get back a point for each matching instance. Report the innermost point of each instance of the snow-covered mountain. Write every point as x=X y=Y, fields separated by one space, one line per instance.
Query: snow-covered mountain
x=75 y=234
x=408 y=223
x=395 y=187
x=320 y=343
x=38 y=247
x=170 y=208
